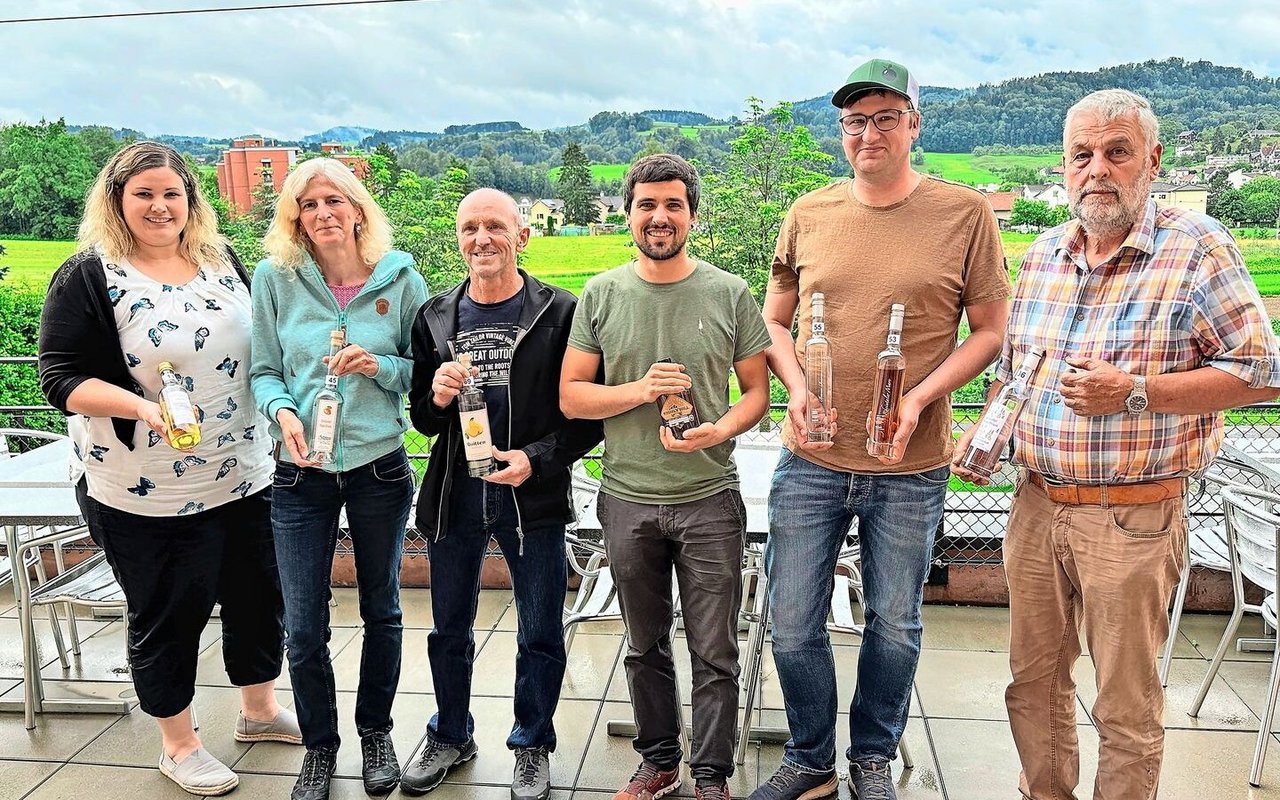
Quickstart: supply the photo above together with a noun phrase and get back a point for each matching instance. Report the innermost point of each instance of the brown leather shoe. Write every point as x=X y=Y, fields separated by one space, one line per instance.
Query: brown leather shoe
x=650 y=782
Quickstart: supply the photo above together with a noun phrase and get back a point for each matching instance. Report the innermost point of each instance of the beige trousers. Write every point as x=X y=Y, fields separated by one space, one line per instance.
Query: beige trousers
x=1112 y=569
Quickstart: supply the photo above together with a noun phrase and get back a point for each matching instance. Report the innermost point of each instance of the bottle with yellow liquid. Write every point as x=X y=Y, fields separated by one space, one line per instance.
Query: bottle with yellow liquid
x=180 y=421
x=477 y=442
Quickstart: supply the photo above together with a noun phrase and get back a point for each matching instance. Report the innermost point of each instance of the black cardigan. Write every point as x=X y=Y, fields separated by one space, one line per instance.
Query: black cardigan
x=79 y=339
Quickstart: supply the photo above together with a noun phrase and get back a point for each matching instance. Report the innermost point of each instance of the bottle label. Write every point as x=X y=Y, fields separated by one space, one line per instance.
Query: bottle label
x=990 y=427
x=325 y=434
x=675 y=408
x=476 y=441
x=181 y=413
x=894 y=341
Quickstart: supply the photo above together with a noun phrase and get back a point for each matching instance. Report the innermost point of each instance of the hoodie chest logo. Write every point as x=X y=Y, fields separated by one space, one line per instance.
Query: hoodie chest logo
x=383 y=305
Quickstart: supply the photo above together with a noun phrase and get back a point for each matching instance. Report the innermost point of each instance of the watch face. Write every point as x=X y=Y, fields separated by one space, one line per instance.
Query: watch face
x=1136 y=403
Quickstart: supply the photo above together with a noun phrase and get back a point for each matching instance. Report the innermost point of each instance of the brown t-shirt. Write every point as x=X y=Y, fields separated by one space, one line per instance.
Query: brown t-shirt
x=935 y=252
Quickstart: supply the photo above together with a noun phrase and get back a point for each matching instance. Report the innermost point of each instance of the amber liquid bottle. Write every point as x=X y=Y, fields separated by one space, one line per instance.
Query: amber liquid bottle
x=678 y=411
x=891 y=366
x=996 y=426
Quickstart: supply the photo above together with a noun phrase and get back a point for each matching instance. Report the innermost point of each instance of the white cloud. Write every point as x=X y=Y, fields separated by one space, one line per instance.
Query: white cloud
x=426 y=65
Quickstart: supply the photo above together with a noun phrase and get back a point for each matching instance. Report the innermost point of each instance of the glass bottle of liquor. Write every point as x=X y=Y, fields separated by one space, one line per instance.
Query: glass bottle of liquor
x=477 y=441
x=996 y=426
x=817 y=374
x=890 y=369
x=179 y=412
x=326 y=420
x=678 y=411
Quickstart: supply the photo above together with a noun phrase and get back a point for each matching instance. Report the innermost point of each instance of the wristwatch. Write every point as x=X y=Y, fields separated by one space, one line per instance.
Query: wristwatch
x=1136 y=402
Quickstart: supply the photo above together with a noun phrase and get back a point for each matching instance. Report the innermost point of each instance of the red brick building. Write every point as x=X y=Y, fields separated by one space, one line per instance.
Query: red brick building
x=356 y=164
x=249 y=163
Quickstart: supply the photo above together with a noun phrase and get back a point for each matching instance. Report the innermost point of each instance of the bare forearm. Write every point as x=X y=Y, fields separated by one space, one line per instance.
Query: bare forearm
x=97 y=398
x=782 y=359
x=964 y=364
x=1206 y=390
x=590 y=400
x=746 y=413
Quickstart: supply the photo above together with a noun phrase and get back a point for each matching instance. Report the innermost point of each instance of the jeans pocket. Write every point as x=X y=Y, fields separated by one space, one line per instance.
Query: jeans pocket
x=1146 y=521
x=731 y=505
x=392 y=468
x=286 y=475
x=934 y=477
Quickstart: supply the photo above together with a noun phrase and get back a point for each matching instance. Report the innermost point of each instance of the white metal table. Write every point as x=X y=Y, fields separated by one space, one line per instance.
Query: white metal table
x=36 y=491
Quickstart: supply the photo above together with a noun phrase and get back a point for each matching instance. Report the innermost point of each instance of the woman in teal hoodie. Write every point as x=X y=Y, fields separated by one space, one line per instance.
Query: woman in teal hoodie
x=330 y=267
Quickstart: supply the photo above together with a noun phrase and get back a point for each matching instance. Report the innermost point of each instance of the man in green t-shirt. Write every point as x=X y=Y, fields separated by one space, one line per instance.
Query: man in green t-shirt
x=663 y=325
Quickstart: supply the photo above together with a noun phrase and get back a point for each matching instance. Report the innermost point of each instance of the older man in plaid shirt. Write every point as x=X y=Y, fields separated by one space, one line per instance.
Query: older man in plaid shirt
x=1151 y=327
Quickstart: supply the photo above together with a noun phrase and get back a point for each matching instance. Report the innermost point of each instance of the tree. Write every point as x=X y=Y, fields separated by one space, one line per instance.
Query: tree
x=44 y=175
x=574 y=186
x=424 y=215
x=4 y=271
x=771 y=163
x=1229 y=207
x=1017 y=176
x=1031 y=212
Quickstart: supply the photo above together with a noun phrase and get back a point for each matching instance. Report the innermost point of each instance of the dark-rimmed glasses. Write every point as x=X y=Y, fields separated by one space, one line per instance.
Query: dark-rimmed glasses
x=885 y=121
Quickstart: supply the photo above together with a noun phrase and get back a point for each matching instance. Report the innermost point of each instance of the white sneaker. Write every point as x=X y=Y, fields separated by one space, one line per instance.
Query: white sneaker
x=199 y=773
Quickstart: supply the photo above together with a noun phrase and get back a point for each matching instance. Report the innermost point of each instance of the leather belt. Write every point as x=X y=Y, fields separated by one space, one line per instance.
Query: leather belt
x=1115 y=494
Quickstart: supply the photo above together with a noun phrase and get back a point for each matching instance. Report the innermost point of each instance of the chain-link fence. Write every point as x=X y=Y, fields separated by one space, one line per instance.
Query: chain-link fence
x=973 y=526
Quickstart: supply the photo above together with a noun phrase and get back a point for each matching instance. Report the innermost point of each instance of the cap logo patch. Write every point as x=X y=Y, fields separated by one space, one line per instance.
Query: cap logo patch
x=890 y=73
x=383 y=305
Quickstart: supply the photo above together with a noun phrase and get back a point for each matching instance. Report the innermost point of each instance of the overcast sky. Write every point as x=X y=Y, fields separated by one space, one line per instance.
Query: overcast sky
x=425 y=65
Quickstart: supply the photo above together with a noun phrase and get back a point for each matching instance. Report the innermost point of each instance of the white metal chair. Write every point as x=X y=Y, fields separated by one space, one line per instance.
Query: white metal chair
x=31 y=560
x=1207 y=543
x=1253 y=528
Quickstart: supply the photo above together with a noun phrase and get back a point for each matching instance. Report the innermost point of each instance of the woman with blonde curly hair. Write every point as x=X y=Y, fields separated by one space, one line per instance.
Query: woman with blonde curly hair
x=154 y=285
x=330 y=267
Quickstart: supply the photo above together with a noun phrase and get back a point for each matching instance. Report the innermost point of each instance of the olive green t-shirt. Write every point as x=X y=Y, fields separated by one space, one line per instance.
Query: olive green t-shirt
x=706 y=322
x=936 y=251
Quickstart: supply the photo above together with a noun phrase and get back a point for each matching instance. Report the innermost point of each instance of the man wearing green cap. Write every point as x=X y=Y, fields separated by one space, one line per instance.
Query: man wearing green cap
x=888 y=236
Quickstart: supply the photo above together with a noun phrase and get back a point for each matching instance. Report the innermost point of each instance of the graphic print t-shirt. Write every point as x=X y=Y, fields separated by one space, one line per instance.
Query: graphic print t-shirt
x=488 y=331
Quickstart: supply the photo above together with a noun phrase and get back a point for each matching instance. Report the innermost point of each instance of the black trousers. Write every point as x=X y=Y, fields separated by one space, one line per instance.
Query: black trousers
x=172 y=571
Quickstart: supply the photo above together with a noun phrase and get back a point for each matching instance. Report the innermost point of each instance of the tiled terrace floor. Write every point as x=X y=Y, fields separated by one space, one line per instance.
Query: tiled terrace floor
x=958 y=732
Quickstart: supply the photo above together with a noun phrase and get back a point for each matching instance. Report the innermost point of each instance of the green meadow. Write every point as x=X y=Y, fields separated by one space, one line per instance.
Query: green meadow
x=568 y=261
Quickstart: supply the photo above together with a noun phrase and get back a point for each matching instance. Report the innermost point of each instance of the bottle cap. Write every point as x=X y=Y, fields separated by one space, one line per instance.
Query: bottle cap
x=165 y=366
x=897 y=308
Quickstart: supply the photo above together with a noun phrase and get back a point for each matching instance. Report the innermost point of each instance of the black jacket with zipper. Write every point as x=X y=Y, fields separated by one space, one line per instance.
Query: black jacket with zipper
x=79 y=339
x=551 y=442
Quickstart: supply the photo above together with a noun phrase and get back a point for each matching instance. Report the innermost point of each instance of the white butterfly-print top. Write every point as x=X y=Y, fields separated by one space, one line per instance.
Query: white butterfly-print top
x=202 y=328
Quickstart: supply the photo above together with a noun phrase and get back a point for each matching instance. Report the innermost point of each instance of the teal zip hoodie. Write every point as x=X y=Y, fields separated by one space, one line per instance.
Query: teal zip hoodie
x=293 y=313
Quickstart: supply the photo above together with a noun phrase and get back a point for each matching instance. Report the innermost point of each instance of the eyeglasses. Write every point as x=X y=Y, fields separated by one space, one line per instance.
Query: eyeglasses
x=885 y=121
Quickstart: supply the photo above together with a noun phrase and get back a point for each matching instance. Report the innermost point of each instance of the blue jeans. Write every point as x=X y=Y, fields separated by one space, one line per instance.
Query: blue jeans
x=811 y=508
x=304 y=515
x=477 y=511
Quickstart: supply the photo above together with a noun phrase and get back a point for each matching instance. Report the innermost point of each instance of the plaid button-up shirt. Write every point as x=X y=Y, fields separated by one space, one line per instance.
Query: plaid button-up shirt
x=1175 y=297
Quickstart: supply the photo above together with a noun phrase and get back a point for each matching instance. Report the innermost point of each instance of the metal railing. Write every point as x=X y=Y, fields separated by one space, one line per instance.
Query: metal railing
x=973 y=524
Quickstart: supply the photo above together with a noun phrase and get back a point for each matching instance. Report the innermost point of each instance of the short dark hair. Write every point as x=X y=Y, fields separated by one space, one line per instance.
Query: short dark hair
x=657 y=169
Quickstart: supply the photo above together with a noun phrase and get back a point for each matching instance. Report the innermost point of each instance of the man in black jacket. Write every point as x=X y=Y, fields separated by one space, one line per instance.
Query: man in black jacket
x=514 y=329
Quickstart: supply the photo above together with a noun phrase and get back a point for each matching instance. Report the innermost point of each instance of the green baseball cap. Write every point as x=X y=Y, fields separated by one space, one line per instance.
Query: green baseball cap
x=878 y=73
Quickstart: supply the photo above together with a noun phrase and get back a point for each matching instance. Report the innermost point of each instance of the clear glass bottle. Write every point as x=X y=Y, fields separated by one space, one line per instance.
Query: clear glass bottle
x=326 y=420
x=817 y=374
x=891 y=367
x=477 y=441
x=996 y=426
x=180 y=420
x=678 y=411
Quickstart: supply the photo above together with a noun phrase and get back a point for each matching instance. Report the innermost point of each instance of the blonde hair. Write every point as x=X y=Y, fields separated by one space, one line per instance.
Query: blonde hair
x=287 y=244
x=103 y=225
